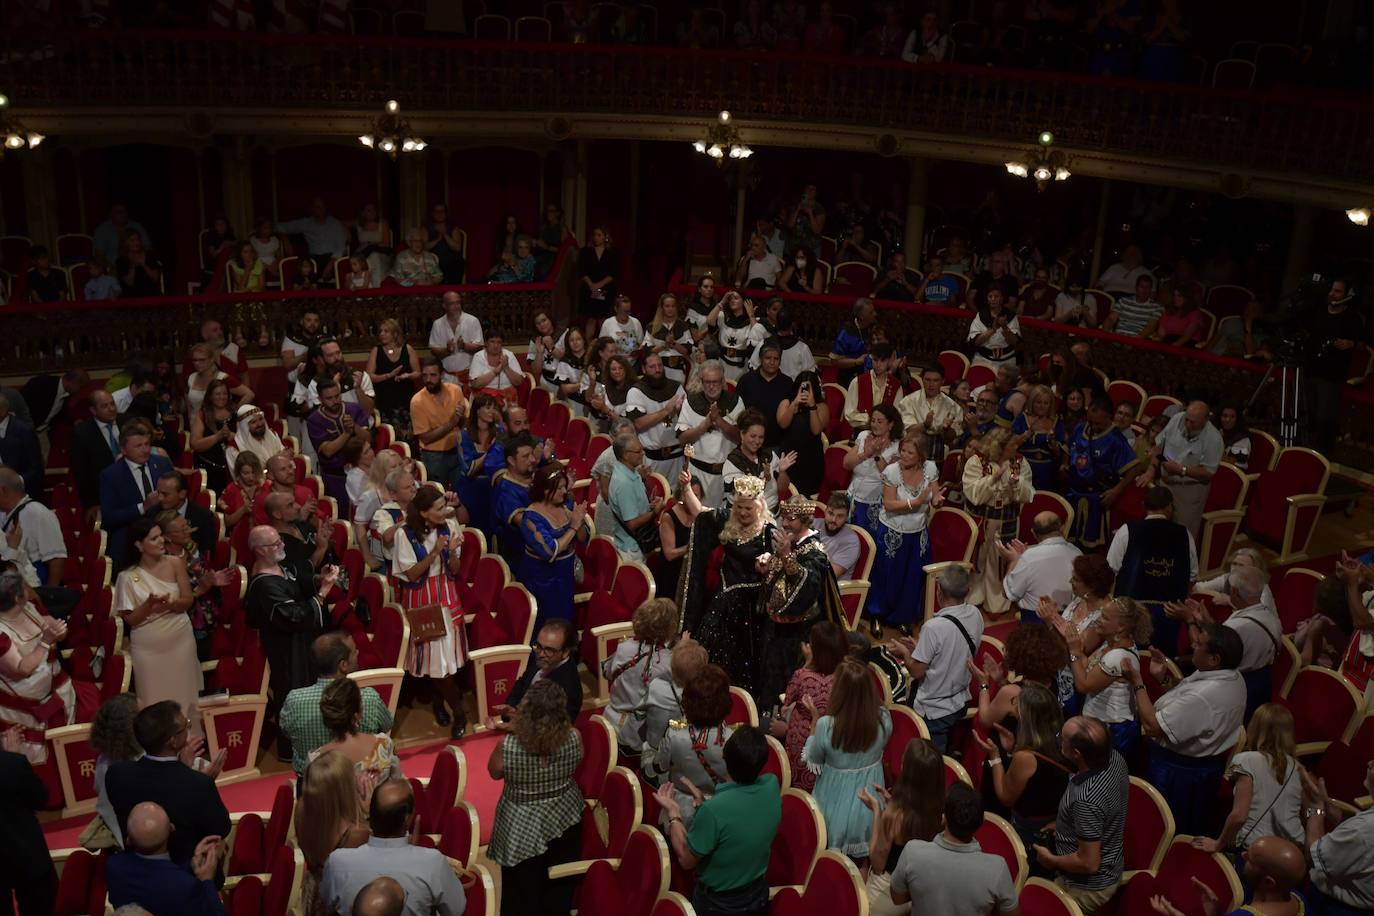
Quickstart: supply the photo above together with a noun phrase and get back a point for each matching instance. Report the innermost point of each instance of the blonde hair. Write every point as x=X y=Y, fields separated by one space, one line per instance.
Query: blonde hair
x=655 y=621
x=394 y=326
x=918 y=439
x=994 y=443
x=658 y=323
x=1136 y=621
x=687 y=658
x=383 y=463
x=1042 y=391
x=329 y=799
x=733 y=532
x=1271 y=732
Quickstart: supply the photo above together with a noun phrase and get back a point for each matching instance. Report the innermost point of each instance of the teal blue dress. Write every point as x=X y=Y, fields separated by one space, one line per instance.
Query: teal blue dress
x=839 y=777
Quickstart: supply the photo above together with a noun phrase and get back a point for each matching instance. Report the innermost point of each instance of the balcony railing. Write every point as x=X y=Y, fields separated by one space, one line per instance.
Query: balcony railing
x=1316 y=133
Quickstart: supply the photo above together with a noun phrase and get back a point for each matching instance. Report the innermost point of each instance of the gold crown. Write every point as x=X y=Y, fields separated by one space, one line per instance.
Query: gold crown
x=748 y=487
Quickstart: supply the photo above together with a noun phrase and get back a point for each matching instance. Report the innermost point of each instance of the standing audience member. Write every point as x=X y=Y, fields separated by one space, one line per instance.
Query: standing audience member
x=334 y=655
x=873 y=450
x=1042 y=570
x=1194 y=724
x=911 y=491
x=822 y=651
x=1256 y=623
x=663 y=705
x=539 y=815
x=1101 y=464
x=939 y=660
x=1341 y=849
x=448 y=243
x=877 y=386
x=1266 y=785
x=1184 y=459
x=19 y=448
x=454 y=337
x=333 y=425
x=95 y=446
x=731 y=837
x=802 y=418
x=912 y=810
x=437 y=412
x=551 y=532
x=431 y=888
x=996 y=484
x=326 y=239
x=845 y=750
x=690 y=757
x=706 y=422
x=1101 y=677
x=1155 y=559
x=341 y=711
x=26 y=871
x=552 y=658
x=652 y=405
x=933 y=412
x=630 y=504
x=112 y=738
x=146 y=874
x=165 y=774
x=128 y=486
x=1089 y=828
x=1027 y=772
x=951 y=874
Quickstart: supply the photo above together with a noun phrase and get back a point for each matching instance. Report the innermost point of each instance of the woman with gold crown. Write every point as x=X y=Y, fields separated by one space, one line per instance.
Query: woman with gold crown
x=726 y=620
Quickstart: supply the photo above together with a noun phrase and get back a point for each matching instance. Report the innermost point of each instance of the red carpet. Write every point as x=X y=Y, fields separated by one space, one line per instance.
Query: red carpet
x=256 y=794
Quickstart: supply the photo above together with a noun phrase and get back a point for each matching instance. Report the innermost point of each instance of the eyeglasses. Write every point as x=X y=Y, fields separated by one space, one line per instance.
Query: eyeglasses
x=542 y=649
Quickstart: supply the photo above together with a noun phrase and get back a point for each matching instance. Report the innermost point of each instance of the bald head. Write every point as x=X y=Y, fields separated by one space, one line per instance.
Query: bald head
x=261 y=537
x=1086 y=742
x=382 y=897
x=1047 y=525
x=1274 y=865
x=149 y=828
x=1195 y=416
x=517 y=420
x=392 y=809
x=279 y=506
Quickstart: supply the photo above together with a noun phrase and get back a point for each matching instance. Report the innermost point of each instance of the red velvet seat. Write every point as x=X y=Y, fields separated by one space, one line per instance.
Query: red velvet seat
x=838 y=430
x=999 y=838
x=629 y=887
x=799 y=840
x=834 y=478
x=1124 y=391
x=1288 y=501
x=1045 y=898
x=1151 y=827
x=980 y=375
x=81 y=887
x=955 y=365
x=834 y=888
x=459 y=833
x=575 y=438
x=253 y=837
x=1042 y=501
x=1325 y=708
x=442 y=790
x=1295 y=594
x=619 y=803
x=1182 y=863
x=599 y=750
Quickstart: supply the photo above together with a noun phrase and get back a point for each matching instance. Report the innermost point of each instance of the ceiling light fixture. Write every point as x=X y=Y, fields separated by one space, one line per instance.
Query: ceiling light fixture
x=723 y=141
x=1358 y=215
x=1042 y=163
x=16 y=135
x=391 y=134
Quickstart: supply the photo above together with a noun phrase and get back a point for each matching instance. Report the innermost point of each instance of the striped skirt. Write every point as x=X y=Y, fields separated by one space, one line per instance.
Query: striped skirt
x=446 y=655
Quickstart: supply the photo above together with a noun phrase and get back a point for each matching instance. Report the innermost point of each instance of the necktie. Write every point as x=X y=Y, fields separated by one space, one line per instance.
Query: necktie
x=147 y=483
x=110 y=437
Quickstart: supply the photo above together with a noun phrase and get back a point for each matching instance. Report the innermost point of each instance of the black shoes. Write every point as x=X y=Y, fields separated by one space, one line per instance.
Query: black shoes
x=441 y=716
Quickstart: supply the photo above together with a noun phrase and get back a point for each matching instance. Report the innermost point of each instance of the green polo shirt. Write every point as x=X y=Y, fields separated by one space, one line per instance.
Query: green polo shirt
x=733 y=832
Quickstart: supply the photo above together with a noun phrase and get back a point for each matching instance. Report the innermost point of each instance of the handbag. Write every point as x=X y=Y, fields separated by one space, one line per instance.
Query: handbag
x=646 y=535
x=426 y=622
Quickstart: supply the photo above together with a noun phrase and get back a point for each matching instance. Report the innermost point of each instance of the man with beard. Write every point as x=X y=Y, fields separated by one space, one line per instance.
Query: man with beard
x=799 y=590
x=332 y=426
x=933 y=412
x=517 y=421
x=294 y=350
x=281 y=478
x=436 y=412
x=653 y=405
x=511 y=494
x=706 y=422
x=982 y=418
x=355 y=384
x=288 y=609
x=253 y=435
x=840 y=541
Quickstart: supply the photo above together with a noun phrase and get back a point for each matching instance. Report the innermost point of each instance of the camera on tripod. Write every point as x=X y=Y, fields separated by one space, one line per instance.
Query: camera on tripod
x=1295 y=345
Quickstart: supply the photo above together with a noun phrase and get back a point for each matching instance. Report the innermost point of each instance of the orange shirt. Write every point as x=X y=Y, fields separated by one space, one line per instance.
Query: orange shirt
x=428 y=412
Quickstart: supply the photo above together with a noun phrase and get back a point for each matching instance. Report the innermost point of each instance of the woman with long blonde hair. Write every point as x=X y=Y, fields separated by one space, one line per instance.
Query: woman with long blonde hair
x=997 y=483
x=845 y=751
x=1042 y=437
x=330 y=815
x=1266 y=785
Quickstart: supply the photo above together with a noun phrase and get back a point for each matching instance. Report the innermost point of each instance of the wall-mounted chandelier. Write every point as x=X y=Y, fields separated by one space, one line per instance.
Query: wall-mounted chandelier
x=16 y=135
x=1042 y=163
x=1358 y=215
x=391 y=134
x=723 y=141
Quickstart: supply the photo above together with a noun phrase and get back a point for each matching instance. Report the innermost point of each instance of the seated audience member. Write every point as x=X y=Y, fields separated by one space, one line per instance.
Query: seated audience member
x=1235 y=437
x=940 y=657
x=637 y=663
x=1194 y=724
x=19 y=448
x=951 y=873
x=332 y=426
x=335 y=656
x=731 y=837
x=1182 y=322
x=1135 y=316
x=691 y=751
x=1038 y=296
x=128 y=488
x=1074 y=306
x=802 y=274
x=100 y=286
x=1155 y=559
x=538 y=820
x=850 y=349
x=1271 y=869
x=855 y=247
x=840 y=541
x=44 y=282
x=1089 y=826
x=1256 y=623
x=1266 y=793
x=163 y=775
x=899 y=284
x=663 y=703
x=32 y=529
x=516 y=266
x=1125 y=275
x=554 y=658
x=1040 y=570
x=330 y=814
x=428 y=880
x=938 y=287
x=495 y=370
x=926 y=44
x=146 y=874
x=877 y=386
x=1341 y=849
x=27 y=876
x=845 y=747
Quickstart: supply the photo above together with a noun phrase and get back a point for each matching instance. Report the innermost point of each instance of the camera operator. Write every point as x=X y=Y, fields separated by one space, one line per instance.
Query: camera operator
x=1334 y=332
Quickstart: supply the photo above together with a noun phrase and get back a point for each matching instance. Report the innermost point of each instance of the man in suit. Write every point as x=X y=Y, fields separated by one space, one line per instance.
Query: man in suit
x=189 y=797
x=19 y=449
x=95 y=446
x=147 y=876
x=553 y=659
x=128 y=487
x=173 y=497
x=47 y=395
x=26 y=870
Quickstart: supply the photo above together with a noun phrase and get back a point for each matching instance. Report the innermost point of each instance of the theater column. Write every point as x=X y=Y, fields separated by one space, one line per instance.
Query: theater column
x=1299 y=246
x=413 y=173
x=917 y=183
x=236 y=167
x=40 y=197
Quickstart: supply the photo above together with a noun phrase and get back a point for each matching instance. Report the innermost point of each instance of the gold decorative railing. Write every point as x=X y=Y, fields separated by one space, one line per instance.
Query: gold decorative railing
x=1316 y=132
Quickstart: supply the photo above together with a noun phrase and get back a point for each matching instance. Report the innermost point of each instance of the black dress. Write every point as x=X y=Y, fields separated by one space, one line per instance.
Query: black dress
x=393 y=397
x=671 y=570
x=810 y=467
x=596 y=269
x=214 y=461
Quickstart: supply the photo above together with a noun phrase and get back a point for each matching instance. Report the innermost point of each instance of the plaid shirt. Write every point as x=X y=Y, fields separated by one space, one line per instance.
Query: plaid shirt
x=301 y=722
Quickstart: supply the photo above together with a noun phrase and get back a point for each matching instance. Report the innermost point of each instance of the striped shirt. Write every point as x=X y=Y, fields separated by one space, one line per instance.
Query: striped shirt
x=1094 y=809
x=1133 y=315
